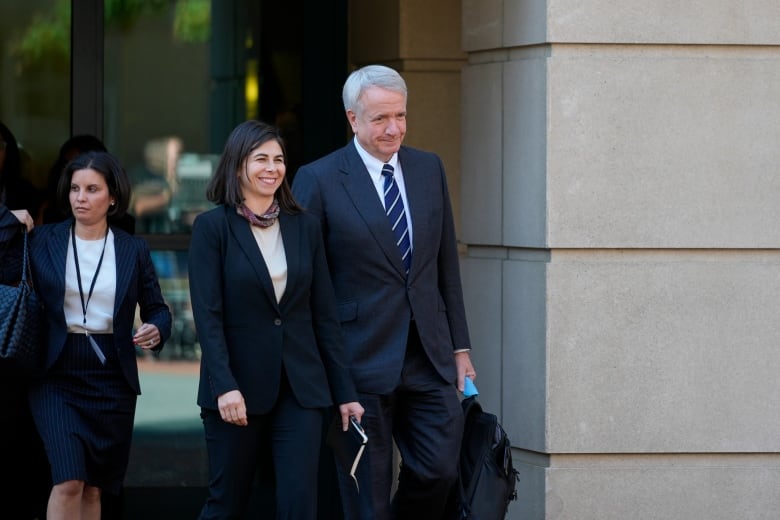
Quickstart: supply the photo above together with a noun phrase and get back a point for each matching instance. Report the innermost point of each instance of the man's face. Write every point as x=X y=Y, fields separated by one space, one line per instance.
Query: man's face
x=380 y=122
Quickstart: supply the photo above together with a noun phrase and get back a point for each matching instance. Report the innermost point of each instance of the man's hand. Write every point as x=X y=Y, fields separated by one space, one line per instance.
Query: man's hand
x=465 y=368
x=345 y=410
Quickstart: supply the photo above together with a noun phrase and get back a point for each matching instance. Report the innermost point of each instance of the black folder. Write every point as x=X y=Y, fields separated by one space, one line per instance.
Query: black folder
x=347 y=446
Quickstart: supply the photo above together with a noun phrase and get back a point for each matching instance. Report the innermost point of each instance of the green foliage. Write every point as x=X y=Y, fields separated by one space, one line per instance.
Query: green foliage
x=47 y=38
x=192 y=21
x=124 y=13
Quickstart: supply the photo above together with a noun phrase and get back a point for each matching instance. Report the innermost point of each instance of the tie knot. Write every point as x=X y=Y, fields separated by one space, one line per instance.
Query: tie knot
x=387 y=170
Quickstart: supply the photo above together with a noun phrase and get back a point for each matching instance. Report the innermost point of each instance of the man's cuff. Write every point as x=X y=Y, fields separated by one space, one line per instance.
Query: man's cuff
x=458 y=351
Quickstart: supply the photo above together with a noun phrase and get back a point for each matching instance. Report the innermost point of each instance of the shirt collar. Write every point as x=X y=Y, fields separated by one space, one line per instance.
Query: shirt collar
x=373 y=164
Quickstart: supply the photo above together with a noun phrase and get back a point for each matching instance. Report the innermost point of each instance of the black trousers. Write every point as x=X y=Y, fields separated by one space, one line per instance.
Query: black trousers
x=424 y=417
x=283 y=445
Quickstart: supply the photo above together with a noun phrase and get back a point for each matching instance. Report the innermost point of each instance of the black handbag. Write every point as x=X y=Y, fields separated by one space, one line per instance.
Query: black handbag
x=21 y=320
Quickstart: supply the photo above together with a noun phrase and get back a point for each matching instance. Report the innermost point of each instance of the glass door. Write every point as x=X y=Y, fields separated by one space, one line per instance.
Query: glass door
x=161 y=83
x=34 y=97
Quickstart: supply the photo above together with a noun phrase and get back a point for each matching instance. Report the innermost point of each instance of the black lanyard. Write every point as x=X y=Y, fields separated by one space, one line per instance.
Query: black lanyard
x=78 y=274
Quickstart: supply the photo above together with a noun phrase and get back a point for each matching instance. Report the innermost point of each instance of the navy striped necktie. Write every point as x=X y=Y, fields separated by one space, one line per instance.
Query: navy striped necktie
x=394 y=207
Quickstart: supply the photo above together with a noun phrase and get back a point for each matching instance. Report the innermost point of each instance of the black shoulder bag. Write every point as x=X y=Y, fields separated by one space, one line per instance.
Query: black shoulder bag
x=21 y=320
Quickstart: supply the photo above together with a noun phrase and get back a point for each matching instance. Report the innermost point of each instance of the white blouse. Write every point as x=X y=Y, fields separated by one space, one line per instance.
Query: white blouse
x=269 y=240
x=100 y=310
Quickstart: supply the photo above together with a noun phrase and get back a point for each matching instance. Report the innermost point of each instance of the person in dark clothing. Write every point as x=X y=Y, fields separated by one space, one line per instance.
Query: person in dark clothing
x=268 y=327
x=24 y=480
x=390 y=244
x=92 y=278
x=16 y=192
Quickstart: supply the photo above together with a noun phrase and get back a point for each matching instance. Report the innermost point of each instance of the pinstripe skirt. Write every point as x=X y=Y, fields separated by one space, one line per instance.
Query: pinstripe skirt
x=84 y=413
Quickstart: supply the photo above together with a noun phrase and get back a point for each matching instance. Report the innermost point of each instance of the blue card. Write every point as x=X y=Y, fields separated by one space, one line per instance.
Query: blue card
x=469 y=389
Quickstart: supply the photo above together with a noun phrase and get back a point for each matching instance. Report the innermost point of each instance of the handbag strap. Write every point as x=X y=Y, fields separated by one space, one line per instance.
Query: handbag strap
x=26 y=273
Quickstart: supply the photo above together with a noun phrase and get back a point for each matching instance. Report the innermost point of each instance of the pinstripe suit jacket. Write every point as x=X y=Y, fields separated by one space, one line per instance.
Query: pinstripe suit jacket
x=136 y=285
x=376 y=300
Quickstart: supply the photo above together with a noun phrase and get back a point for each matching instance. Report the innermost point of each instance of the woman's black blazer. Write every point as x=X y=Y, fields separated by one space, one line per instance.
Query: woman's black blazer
x=136 y=286
x=246 y=337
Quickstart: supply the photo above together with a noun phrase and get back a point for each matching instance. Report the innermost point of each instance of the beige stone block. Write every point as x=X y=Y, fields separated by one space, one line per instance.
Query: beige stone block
x=482 y=293
x=524 y=152
x=374 y=32
x=481 y=155
x=747 y=22
x=433 y=122
x=430 y=29
x=715 y=22
x=531 y=486
x=524 y=356
x=405 y=30
x=662 y=149
x=483 y=24
x=679 y=487
x=525 y=22
x=662 y=352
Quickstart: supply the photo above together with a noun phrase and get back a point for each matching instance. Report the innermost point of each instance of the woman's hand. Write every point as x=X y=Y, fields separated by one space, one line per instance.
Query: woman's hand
x=147 y=336
x=232 y=408
x=24 y=217
x=350 y=409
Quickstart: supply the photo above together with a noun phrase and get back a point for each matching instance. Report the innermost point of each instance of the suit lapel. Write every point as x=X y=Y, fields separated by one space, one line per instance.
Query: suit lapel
x=242 y=232
x=58 y=247
x=357 y=183
x=419 y=197
x=57 y=244
x=126 y=262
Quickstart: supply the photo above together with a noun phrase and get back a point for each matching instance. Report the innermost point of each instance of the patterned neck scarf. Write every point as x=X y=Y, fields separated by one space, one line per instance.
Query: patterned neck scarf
x=265 y=220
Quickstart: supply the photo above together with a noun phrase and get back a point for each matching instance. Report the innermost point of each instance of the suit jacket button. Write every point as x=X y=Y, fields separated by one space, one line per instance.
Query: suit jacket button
x=277 y=321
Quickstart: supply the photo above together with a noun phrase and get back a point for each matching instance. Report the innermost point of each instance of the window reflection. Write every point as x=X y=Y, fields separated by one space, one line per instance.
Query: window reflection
x=193 y=172
x=156 y=95
x=171 y=269
x=154 y=183
x=169 y=186
x=34 y=94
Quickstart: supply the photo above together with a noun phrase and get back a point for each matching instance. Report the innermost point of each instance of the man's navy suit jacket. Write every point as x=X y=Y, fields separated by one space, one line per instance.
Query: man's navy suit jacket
x=376 y=299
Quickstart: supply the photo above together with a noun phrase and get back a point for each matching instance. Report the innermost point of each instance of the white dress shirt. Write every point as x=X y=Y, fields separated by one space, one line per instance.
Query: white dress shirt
x=374 y=167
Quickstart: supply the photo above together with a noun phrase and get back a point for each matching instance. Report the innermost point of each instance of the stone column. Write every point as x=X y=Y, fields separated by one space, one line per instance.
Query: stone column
x=623 y=272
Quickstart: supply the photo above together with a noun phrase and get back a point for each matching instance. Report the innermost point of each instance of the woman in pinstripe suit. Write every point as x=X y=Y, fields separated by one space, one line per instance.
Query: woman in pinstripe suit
x=91 y=276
